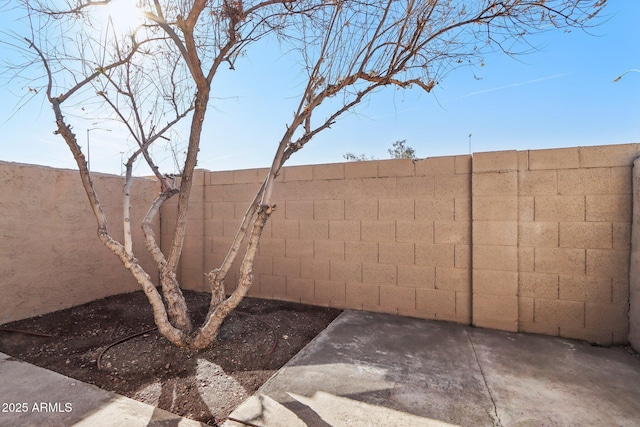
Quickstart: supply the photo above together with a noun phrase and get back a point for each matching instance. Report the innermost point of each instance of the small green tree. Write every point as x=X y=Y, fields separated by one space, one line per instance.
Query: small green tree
x=400 y=150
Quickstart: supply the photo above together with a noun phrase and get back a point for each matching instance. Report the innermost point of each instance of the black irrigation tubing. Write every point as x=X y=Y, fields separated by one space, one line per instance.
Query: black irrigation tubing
x=120 y=342
x=19 y=331
x=98 y=361
x=99 y=364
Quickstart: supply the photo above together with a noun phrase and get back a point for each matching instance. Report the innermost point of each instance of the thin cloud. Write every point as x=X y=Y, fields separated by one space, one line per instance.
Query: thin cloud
x=541 y=79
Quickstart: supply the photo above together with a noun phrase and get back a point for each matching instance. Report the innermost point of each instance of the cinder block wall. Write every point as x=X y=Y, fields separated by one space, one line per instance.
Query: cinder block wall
x=534 y=241
x=389 y=236
x=574 y=241
x=50 y=255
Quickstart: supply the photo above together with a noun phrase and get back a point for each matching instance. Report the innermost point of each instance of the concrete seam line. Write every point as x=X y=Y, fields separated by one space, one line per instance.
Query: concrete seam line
x=495 y=416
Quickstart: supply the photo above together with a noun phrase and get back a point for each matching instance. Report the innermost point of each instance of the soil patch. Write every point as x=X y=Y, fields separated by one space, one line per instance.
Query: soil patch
x=254 y=342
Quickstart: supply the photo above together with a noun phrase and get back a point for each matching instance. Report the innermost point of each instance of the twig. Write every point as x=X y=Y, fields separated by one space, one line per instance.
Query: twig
x=275 y=338
x=275 y=334
x=247 y=423
x=38 y=334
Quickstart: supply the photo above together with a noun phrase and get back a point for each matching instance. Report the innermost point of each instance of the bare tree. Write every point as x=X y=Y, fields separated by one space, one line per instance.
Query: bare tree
x=160 y=72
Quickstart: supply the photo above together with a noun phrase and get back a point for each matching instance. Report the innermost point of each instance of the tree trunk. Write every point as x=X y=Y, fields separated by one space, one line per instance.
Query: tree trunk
x=209 y=330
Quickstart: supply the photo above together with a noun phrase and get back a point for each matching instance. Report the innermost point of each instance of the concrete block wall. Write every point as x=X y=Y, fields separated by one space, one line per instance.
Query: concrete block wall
x=50 y=255
x=574 y=231
x=495 y=240
x=534 y=241
x=388 y=236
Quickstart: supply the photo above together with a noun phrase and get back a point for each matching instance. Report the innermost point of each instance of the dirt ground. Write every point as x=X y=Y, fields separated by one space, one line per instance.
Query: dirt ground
x=254 y=342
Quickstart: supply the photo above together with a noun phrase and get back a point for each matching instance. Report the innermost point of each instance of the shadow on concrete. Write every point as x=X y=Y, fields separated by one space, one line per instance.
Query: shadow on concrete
x=375 y=369
x=46 y=398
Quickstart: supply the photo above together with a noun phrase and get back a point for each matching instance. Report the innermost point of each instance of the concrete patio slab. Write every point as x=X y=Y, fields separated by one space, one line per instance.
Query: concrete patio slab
x=371 y=369
x=539 y=380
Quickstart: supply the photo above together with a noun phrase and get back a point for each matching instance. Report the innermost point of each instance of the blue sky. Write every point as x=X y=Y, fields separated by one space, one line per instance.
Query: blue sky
x=559 y=96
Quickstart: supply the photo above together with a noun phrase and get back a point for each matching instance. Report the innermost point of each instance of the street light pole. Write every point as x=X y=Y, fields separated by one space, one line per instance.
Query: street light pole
x=89 y=146
x=633 y=70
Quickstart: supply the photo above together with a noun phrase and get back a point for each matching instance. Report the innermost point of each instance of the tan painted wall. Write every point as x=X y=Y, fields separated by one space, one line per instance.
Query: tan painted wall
x=387 y=236
x=50 y=255
x=551 y=235
x=634 y=267
x=535 y=241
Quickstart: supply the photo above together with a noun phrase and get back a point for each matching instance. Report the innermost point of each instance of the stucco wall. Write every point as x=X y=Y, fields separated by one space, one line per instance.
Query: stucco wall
x=535 y=241
x=50 y=255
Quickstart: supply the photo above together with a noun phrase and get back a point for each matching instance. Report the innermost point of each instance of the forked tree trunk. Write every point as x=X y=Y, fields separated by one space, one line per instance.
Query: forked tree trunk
x=173 y=334
x=209 y=330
